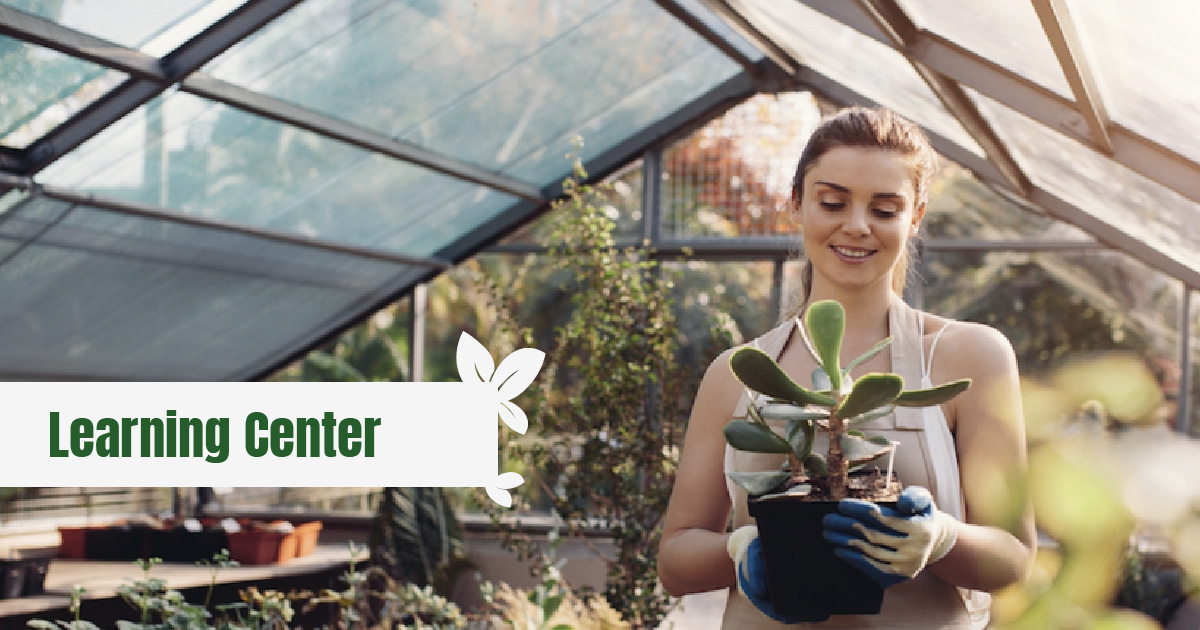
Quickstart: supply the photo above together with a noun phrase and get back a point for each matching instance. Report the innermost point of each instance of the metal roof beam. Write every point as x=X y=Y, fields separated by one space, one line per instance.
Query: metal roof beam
x=711 y=36
x=1068 y=47
x=36 y=30
x=136 y=91
x=152 y=212
x=268 y=107
x=890 y=18
x=1130 y=149
x=734 y=19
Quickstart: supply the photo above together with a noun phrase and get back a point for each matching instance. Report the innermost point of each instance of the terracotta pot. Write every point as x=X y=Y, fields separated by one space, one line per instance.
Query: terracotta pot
x=804 y=576
x=257 y=546
x=74 y=542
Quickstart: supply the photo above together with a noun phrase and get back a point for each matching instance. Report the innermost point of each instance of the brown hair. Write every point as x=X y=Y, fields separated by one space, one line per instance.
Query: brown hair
x=871 y=128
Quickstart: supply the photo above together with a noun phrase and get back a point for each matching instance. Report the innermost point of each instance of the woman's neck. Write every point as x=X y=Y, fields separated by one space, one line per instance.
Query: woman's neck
x=866 y=310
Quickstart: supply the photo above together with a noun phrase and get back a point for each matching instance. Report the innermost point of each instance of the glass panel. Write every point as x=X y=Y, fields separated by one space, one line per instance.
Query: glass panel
x=1008 y=33
x=504 y=85
x=734 y=176
x=738 y=292
x=1144 y=55
x=113 y=296
x=30 y=109
x=1057 y=308
x=961 y=207
x=1193 y=421
x=860 y=63
x=201 y=158
x=625 y=204
x=152 y=26
x=1131 y=203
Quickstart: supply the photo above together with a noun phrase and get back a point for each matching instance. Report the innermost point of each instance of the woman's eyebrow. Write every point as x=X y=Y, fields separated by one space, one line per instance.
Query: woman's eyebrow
x=881 y=195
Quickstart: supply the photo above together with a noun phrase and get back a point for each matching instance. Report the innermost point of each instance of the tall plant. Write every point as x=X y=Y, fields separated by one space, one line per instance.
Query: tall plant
x=607 y=418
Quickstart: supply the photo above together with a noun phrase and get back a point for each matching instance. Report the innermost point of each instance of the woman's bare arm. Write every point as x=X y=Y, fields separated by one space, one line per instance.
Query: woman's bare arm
x=692 y=556
x=994 y=549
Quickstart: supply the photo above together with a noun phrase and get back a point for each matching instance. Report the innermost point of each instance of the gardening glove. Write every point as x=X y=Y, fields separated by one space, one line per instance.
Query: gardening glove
x=745 y=549
x=891 y=545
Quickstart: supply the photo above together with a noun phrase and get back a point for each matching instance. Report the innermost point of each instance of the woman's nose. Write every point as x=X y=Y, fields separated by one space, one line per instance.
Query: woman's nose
x=856 y=223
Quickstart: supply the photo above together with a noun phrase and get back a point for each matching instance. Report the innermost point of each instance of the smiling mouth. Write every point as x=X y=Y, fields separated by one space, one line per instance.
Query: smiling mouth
x=853 y=252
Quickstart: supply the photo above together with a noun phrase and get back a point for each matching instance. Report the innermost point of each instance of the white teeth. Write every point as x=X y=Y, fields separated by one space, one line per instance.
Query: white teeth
x=852 y=253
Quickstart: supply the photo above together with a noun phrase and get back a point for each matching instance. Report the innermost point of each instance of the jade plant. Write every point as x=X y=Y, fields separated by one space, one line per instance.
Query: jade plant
x=837 y=403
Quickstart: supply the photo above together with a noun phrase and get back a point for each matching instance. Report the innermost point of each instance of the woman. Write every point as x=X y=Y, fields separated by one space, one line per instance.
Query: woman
x=860 y=192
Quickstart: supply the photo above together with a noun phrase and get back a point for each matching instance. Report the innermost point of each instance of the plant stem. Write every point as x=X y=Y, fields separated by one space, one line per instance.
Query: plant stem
x=837 y=460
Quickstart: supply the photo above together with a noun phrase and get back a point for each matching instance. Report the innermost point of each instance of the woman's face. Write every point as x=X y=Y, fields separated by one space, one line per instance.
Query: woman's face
x=857 y=211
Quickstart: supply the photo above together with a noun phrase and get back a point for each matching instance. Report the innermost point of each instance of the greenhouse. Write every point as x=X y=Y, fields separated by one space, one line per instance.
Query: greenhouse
x=303 y=190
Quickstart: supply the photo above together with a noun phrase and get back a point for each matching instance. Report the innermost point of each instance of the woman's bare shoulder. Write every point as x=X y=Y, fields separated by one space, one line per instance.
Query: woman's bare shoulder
x=969 y=346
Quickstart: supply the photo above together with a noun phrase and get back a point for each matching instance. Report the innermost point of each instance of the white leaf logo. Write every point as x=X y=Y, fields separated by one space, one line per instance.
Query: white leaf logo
x=475 y=364
x=509 y=480
x=517 y=371
x=514 y=417
x=501 y=497
x=500 y=491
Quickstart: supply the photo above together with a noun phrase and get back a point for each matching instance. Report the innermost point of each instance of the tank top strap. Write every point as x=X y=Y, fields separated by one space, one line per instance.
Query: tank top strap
x=904 y=325
x=927 y=369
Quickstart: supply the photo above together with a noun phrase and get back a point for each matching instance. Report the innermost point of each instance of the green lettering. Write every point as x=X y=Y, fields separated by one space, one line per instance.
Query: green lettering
x=55 y=450
x=107 y=444
x=281 y=437
x=327 y=422
x=81 y=430
x=348 y=436
x=217 y=430
x=256 y=419
x=371 y=424
x=155 y=426
x=127 y=425
x=313 y=436
x=196 y=440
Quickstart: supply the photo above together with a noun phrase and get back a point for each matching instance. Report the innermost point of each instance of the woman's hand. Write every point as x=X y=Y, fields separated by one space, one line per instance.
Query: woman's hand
x=891 y=545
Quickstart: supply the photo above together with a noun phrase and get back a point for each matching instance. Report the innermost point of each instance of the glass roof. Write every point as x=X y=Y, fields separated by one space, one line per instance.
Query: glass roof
x=482 y=82
x=490 y=95
x=838 y=52
x=191 y=155
x=88 y=292
x=1145 y=56
x=1005 y=32
x=151 y=26
x=30 y=109
x=1116 y=195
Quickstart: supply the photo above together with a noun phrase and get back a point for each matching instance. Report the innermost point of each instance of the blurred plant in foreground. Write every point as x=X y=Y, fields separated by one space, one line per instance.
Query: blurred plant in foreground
x=1104 y=474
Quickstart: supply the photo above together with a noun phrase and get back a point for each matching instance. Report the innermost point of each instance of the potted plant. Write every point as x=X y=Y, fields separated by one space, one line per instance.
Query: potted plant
x=789 y=504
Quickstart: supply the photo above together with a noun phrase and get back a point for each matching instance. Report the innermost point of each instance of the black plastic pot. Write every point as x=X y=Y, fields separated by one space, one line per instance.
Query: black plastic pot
x=805 y=578
x=12 y=578
x=118 y=543
x=180 y=545
x=35 y=576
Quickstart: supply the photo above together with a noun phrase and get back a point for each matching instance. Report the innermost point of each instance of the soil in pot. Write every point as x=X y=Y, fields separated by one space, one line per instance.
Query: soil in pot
x=805 y=578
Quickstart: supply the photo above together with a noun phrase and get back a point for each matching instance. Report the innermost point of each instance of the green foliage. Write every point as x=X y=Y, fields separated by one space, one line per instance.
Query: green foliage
x=607 y=419
x=416 y=537
x=848 y=401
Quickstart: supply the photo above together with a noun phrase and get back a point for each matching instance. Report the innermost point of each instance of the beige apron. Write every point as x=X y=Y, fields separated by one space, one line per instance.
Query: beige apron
x=925 y=457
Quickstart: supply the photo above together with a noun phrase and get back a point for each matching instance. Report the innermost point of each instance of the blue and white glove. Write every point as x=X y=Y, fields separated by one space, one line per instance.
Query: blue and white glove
x=891 y=545
x=746 y=550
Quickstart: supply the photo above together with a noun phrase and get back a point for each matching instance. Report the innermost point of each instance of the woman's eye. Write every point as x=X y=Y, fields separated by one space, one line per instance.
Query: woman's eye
x=886 y=213
x=832 y=205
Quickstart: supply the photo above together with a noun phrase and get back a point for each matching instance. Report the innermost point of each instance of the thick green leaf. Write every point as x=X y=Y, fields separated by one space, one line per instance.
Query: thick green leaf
x=933 y=396
x=816 y=465
x=788 y=411
x=551 y=606
x=858 y=450
x=826 y=321
x=798 y=490
x=754 y=438
x=758 y=371
x=871 y=415
x=871 y=392
x=800 y=434
x=867 y=356
x=759 y=482
x=820 y=379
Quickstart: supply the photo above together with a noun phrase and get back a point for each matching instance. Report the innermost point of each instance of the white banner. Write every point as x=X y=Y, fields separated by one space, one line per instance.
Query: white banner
x=269 y=434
